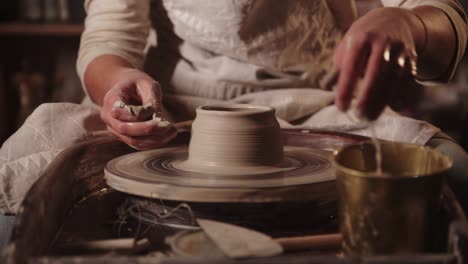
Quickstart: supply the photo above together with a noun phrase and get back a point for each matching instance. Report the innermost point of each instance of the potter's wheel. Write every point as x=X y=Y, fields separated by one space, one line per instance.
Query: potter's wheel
x=308 y=176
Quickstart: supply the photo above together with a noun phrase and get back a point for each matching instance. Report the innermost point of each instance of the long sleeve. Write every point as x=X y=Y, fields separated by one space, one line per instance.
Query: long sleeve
x=115 y=27
x=456 y=14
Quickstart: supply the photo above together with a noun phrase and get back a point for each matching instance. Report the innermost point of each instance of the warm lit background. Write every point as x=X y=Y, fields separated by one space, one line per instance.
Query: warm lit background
x=38 y=46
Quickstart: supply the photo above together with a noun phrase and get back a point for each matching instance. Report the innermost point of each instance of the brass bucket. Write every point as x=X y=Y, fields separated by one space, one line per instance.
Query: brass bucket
x=393 y=212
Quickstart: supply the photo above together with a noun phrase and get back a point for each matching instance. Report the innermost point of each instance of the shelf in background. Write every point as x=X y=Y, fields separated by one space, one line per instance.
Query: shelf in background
x=24 y=29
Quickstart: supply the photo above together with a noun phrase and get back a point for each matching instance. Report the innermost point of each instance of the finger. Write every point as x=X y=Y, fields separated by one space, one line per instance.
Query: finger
x=138 y=129
x=124 y=91
x=379 y=95
x=132 y=113
x=150 y=93
x=147 y=142
x=123 y=114
x=143 y=143
x=351 y=68
x=116 y=100
x=369 y=103
x=402 y=94
x=338 y=53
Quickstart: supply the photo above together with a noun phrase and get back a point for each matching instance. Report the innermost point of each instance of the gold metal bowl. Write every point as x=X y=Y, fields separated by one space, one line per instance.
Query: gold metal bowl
x=391 y=213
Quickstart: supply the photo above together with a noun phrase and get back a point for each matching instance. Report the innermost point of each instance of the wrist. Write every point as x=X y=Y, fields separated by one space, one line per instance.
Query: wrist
x=398 y=23
x=436 y=52
x=416 y=22
x=418 y=30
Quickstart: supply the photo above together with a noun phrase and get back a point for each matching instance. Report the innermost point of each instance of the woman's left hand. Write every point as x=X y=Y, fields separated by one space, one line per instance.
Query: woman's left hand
x=380 y=47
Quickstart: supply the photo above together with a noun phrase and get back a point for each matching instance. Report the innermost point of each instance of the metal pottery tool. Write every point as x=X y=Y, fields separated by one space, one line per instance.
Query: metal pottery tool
x=239 y=242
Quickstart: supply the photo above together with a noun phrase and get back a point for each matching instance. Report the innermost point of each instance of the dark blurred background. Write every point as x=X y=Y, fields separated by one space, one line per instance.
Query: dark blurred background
x=39 y=41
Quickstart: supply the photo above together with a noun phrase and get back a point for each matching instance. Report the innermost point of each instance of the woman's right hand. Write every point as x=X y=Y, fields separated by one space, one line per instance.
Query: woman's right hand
x=134 y=87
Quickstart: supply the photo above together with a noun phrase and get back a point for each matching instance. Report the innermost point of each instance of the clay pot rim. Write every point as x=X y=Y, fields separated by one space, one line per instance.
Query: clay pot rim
x=227 y=109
